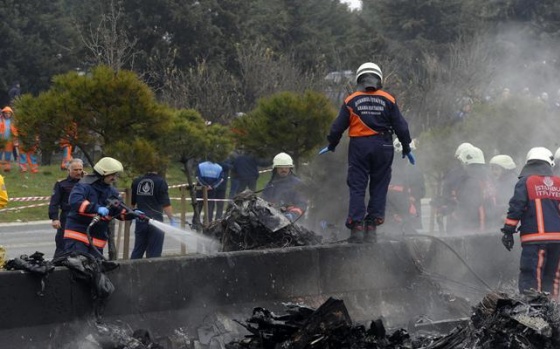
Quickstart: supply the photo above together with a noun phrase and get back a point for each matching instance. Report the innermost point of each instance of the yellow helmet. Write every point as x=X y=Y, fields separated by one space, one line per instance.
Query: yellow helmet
x=108 y=166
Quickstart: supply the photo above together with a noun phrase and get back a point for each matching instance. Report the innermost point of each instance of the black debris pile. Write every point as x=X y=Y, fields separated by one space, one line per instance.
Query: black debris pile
x=329 y=326
x=35 y=264
x=504 y=321
x=253 y=223
x=118 y=336
x=499 y=321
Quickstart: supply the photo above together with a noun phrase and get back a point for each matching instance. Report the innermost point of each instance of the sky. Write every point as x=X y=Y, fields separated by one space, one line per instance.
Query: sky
x=353 y=3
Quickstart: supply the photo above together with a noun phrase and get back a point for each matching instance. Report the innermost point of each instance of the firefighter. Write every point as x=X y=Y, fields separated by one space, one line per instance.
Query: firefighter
x=59 y=206
x=9 y=133
x=91 y=210
x=556 y=168
x=504 y=173
x=372 y=116
x=475 y=193
x=535 y=206
x=444 y=204
x=406 y=190
x=284 y=188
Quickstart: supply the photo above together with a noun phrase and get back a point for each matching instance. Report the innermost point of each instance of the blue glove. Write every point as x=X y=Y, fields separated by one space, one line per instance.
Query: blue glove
x=324 y=150
x=140 y=215
x=410 y=157
x=291 y=216
x=103 y=211
x=173 y=222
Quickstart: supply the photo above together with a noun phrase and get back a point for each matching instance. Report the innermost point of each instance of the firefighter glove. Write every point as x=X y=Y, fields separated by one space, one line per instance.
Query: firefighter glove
x=291 y=216
x=103 y=211
x=141 y=216
x=507 y=238
x=410 y=157
x=324 y=150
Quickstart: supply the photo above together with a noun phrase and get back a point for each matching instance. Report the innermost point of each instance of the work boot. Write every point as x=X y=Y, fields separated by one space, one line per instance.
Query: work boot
x=370 y=235
x=356 y=233
x=371 y=224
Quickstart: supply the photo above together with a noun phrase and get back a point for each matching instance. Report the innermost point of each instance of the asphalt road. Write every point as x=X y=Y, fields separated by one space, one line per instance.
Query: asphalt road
x=27 y=238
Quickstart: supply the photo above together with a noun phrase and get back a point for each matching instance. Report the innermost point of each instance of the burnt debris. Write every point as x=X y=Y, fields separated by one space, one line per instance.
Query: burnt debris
x=499 y=321
x=251 y=222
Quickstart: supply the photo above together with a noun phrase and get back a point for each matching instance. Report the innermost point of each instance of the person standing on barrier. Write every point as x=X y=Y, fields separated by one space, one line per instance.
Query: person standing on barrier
x=535 y=207
x=150 y=195
x=91 y=210
x=372 y=116
x=284 y=188
x=59 y=206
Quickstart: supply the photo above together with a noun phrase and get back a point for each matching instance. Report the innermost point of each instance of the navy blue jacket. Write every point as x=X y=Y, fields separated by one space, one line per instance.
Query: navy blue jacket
x=536 y=204
x=84 y=201
x=368 y=113
x=150 y=194
x=59 y=198
x=285 y=192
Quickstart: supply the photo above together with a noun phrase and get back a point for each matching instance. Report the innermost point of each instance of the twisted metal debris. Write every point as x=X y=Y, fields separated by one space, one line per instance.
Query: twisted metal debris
x=498 y=321
x=253 y=223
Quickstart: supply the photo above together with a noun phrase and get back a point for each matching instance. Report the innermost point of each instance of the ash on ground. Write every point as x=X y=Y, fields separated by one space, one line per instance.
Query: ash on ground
x=498 y=321
x=251 y=223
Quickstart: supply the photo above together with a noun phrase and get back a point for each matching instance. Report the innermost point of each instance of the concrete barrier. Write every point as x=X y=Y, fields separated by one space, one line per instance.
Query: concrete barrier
x=398 y=280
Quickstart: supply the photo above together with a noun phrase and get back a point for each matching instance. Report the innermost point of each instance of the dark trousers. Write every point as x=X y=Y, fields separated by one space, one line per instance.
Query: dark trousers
x=538 y=268
x=211 y=204
x=220 y=195
x=240 y=184
x=369 y=163
x=148 y=239
x=59 y=237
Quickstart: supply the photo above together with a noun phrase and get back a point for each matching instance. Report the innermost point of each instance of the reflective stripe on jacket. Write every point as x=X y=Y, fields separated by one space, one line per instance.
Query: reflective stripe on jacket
x=536 y=204
x=76 y=235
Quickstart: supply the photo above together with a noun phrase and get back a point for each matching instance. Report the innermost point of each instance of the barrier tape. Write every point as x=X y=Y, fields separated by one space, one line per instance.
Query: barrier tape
x=200 y=199
x=31 y=198
x=22 y=207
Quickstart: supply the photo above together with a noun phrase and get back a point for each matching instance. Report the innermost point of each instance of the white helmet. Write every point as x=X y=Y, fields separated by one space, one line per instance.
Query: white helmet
x=108 y=166
x=472 y=155
x=398 y=146
x=557 y=155
x=369 y=68
x=282 y=159
x=504 y=161
x=540 y=153
x=462 y=147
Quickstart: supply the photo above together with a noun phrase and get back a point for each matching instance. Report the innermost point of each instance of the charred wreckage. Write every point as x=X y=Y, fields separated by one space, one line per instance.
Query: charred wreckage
x=500 y=320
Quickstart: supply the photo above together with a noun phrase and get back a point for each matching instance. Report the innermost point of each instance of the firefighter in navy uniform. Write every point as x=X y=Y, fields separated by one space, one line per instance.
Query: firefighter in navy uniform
x=59 y=206
x=505 y=175
x=406 y=189
x=284 y=188
x=89 y=199
x=372 y=116
x=535 y=206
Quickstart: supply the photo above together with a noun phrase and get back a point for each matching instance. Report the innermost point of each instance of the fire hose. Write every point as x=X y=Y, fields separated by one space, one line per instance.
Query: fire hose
x=110 y=203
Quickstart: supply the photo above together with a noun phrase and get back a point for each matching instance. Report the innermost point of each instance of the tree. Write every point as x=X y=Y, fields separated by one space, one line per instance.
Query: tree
x=106 y=106
x=286 y=121
x=38 y=41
